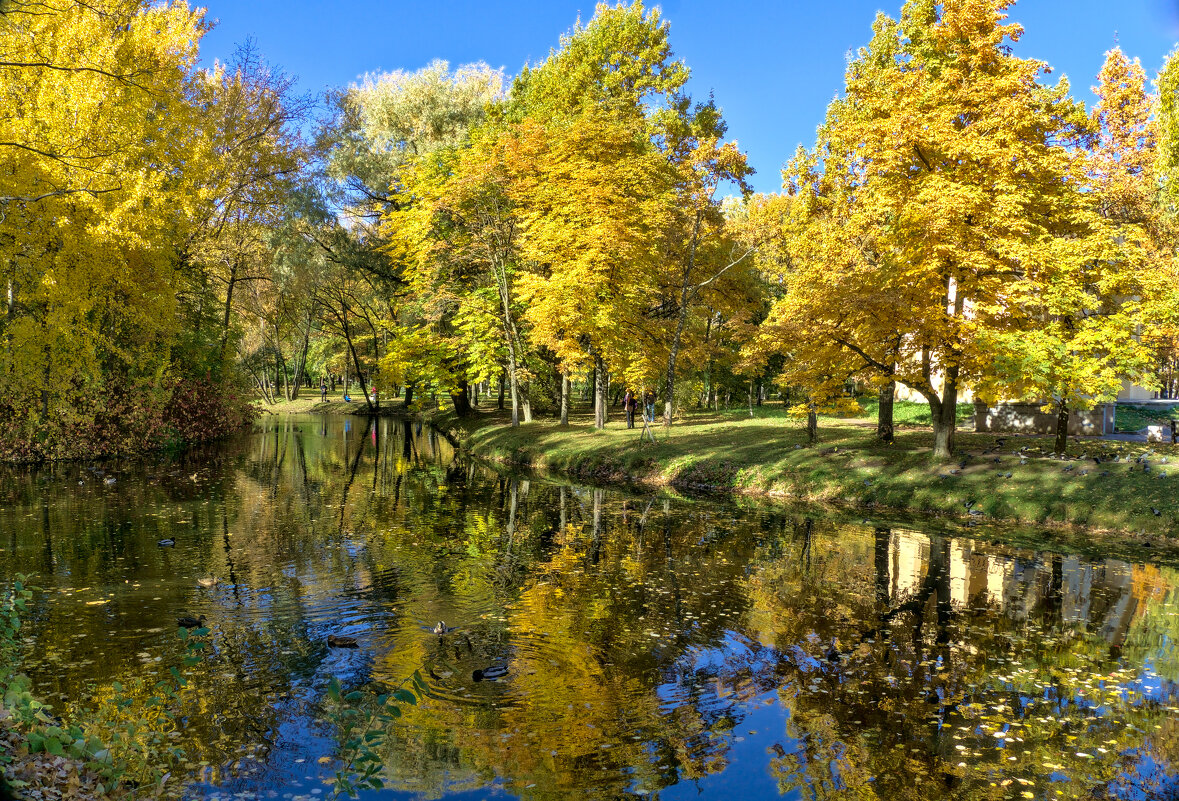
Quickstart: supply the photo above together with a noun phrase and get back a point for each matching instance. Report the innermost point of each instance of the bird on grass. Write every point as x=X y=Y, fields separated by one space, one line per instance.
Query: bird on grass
x=338 y=641
x=189 y=622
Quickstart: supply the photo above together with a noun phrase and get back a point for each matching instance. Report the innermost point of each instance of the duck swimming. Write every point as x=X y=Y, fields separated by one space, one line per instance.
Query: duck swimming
x=168 y=543
x=189 y=622
x=441 y=628
x=490 y=674
x=337 y=641
x=211 y=581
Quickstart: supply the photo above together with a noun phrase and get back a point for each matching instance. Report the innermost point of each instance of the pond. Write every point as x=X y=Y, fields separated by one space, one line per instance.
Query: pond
x=599 y=643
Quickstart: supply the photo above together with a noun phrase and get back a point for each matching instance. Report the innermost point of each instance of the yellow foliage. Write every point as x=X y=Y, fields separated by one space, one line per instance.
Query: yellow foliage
x=94 y=138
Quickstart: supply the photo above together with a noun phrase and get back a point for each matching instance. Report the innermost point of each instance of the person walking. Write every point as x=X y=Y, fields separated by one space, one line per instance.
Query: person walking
x=649 y=405
x=632 y=405
x=323 y=390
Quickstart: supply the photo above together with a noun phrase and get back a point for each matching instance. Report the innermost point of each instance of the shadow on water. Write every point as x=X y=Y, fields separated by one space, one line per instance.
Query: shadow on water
x=598 y=644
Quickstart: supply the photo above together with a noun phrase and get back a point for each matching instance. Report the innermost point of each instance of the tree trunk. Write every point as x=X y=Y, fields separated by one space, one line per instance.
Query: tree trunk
x=501 y=392
x=599 y=393
x=301 y=376
x=884 y=426
x=462 y=403
x=1062 y=415
x=812 y=424
x=526 y=403
x=408 y=395
x=945 y=417
x=355 y=361
x=228 y=306
x=513 y=387
x=511 y=335
x=564 y=405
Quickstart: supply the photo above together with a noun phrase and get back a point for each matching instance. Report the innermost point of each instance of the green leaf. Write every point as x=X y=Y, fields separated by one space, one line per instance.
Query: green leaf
x=405 y=696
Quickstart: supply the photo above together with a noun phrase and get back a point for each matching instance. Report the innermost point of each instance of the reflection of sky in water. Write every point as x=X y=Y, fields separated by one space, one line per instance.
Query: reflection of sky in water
x=688 y=648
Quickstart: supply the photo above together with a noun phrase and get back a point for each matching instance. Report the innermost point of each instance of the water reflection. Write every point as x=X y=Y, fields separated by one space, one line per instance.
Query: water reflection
x=648 y=645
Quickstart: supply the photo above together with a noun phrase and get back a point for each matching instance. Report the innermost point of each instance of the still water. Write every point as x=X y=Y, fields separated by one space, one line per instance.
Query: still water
x=634 y=645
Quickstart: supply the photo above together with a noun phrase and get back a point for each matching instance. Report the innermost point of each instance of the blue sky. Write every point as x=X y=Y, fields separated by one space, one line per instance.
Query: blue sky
x=772 y=66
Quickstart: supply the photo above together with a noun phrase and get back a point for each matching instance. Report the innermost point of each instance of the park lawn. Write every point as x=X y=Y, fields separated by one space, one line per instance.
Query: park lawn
x=1135 y=418
x=767 y=454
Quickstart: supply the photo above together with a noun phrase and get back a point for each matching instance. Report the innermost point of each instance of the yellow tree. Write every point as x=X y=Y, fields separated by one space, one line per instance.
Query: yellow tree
x=459 y=239
x=703 y=256
x=821 y=321
x=1088 y=338
x=622 y=61
x=1163 y=308
x=382 y=147
x=95 y=129
x=591 y=196
x=959 y=174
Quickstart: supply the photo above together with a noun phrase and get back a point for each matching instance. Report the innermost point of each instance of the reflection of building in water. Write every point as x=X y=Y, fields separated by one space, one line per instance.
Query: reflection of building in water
x=910 y=561
x=968 y=572
x=1099 y=595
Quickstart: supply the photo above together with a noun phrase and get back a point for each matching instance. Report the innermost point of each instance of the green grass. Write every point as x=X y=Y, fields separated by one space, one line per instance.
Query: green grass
x=768 y=455
x=1135 y=418
x=904 y=413
x=915 y=413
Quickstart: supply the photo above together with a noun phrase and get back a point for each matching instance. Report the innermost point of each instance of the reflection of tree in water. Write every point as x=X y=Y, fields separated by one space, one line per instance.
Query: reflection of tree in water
x=638 y=632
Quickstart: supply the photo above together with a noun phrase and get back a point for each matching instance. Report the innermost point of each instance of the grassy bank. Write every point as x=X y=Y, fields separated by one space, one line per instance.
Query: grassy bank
x=309 y=403
x=768 y=455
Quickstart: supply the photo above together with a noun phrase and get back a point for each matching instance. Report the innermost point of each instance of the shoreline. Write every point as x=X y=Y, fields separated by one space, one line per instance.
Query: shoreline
x=1098 y=497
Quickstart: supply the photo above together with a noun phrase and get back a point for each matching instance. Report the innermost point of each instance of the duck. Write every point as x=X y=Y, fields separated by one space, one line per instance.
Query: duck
x=339 y=641
x=490 y=674
x=168 y=543
x=109 y=480
x=189 y=622
x=211 y=581
x=441 y=628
